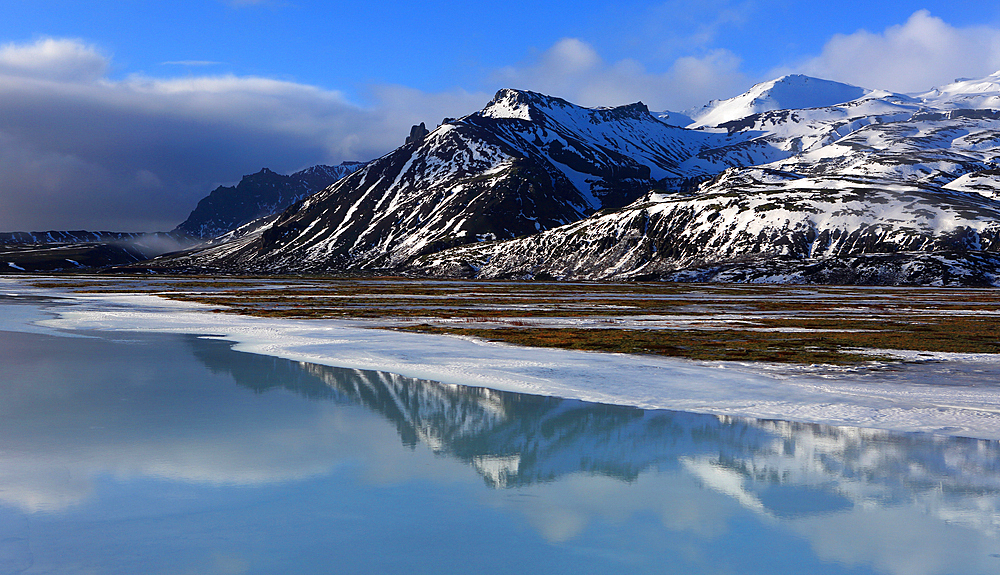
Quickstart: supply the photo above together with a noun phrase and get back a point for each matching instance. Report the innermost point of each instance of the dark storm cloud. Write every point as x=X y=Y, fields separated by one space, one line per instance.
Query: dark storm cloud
x=81 y=151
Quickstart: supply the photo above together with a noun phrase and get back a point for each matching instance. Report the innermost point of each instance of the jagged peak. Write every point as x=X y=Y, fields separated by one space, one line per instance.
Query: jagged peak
x=262 y=172
x=509 y=103
x=519 y=104
x=637 y=110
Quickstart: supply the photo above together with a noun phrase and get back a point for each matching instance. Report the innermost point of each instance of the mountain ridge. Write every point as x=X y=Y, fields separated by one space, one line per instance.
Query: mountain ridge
x=257 y=195
x=525 y=163
x=883 y=184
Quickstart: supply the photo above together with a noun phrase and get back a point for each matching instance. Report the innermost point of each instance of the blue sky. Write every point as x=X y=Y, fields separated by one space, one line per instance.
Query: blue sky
x=123 y=114
x=437 y=45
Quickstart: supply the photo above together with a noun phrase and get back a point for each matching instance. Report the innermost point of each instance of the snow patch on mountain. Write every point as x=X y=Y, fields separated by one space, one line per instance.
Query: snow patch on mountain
x=794 y=91
x=677 y=119
x=985 y=183
x=966 y=93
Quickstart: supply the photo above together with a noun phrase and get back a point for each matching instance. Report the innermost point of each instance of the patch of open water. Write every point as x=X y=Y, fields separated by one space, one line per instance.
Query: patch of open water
x=165 y=453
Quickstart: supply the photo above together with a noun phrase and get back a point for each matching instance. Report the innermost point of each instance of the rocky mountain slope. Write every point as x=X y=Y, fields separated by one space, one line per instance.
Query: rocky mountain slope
x=258 y=195
x=779 y=227
x=881 y=188
x=525 y=163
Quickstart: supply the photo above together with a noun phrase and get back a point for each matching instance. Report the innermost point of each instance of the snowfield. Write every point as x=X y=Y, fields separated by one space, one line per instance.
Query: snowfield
x=949 y=394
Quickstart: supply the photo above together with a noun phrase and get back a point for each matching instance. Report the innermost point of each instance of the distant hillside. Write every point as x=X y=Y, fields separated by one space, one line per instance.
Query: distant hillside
x=226 y=209
x=258 y=195
x=80 y=250
x=74 y=236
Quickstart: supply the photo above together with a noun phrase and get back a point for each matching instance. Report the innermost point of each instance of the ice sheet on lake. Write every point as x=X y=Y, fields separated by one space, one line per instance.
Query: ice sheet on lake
x=955 y=395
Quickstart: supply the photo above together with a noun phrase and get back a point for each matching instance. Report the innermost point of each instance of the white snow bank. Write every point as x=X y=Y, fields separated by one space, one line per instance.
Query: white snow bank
x=956 y=396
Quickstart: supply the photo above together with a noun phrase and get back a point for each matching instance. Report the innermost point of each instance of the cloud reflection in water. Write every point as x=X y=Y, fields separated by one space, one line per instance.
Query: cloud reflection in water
x=79 y=416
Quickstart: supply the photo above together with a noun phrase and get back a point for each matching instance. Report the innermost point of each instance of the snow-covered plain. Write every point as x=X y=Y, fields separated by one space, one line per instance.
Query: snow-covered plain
x=951 y=394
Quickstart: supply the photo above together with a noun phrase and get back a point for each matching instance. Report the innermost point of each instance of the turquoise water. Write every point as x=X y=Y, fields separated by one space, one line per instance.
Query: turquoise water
x=141 y=453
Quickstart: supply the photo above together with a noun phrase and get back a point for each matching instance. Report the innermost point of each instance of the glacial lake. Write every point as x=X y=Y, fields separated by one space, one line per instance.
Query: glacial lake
x=157 y=453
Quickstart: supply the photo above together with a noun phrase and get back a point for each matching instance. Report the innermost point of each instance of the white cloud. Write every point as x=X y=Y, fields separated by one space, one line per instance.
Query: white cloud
x=79 y=150
x=923 y=52
x=404 y=107
x=138 y=153
x=53 y=59
x=573 y=70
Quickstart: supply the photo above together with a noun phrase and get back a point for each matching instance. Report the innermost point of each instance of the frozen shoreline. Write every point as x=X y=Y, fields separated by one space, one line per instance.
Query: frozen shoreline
x=952 y=394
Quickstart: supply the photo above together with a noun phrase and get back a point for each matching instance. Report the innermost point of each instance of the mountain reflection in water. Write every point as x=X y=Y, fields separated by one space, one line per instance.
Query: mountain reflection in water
x=147 y=437
x=780 y=468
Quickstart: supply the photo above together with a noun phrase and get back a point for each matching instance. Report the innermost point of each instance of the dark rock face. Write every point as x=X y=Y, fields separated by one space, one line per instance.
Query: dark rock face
x=258 y=195
x=417 y=134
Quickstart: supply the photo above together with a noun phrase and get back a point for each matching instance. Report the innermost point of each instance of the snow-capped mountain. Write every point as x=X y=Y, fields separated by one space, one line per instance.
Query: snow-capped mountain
x=677 y=119
x=771 y=136
x=893 y=201
x=792 y=92
x=855 y=185
x=779 y=227
x=525 y=163
x=256 y=196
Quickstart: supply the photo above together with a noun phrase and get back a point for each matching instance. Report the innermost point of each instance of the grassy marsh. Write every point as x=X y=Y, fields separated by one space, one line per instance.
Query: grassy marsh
x=804 y=324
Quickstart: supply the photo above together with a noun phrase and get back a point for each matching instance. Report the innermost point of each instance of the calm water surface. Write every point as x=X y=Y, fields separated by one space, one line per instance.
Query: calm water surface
x=135 y=453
